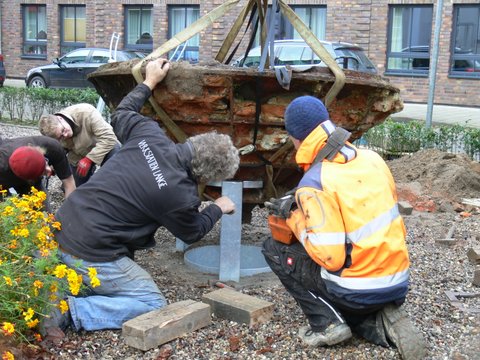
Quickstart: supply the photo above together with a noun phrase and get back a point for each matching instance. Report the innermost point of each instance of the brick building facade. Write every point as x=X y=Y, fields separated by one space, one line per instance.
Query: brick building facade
x=367 y=23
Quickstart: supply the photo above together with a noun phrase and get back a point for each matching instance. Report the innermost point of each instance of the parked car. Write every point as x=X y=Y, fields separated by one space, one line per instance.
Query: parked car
x=2 y=71
x=299 y=55
x=71 y=70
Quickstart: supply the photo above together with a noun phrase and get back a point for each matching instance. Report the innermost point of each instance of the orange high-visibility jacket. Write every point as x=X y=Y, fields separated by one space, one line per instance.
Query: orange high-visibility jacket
x=348 y=222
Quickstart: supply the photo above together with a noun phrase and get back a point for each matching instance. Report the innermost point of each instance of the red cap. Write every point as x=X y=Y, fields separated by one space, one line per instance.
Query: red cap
x=27 y=163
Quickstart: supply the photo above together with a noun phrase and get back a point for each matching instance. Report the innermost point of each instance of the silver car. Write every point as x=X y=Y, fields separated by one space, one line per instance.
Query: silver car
x=299 y=55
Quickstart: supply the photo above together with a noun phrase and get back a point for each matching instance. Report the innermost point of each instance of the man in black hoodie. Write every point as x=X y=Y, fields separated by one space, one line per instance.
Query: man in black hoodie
x=151 y=182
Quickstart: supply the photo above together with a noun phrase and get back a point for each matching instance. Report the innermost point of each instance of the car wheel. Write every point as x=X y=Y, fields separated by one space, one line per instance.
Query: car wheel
x=37 y=82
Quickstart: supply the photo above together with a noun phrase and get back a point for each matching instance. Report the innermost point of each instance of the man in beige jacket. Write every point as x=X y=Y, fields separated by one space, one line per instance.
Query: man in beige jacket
x=88 y=139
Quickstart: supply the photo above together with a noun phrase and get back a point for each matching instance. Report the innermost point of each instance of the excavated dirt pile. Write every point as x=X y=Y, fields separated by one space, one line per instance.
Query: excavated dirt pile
x=432 y=180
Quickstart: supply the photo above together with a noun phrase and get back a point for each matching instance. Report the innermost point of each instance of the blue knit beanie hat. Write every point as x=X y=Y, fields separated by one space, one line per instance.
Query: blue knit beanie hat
x=303 y=115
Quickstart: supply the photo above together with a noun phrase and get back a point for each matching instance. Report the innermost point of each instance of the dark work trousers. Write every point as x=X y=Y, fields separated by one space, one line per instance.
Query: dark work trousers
x=79 y=180
x=301 y=277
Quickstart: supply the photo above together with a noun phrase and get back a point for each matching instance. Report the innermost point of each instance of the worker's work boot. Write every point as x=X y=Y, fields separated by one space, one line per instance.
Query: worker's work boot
x=52 y=327
x=333 y=334
x=402 y=333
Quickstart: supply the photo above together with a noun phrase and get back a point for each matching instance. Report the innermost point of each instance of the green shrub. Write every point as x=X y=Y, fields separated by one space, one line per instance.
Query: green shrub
x=27 y=105
x=393 y=139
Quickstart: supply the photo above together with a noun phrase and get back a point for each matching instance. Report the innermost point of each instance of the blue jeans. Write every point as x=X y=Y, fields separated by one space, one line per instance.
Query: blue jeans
x=126 y=291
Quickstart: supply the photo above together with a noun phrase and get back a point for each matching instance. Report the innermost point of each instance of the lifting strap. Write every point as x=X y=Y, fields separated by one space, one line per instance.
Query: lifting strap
x=335 y=142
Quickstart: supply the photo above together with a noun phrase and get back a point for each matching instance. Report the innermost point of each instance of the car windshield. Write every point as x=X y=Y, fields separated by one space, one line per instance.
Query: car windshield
x=353 y=59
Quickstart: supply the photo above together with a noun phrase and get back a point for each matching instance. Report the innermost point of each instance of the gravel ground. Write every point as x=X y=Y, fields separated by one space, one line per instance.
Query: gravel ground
x=450 y=333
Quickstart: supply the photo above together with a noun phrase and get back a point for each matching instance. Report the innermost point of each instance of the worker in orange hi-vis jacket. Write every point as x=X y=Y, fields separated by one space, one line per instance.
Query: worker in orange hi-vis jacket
x=349 y=269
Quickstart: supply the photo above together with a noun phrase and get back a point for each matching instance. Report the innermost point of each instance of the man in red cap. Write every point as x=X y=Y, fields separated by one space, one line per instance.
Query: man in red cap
x=26 y=161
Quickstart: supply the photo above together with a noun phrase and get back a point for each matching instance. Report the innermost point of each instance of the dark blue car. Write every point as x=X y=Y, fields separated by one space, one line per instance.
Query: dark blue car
x=71 y=70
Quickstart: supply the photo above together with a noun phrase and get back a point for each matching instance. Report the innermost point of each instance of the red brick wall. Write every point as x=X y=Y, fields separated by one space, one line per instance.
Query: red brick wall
x=363 y=22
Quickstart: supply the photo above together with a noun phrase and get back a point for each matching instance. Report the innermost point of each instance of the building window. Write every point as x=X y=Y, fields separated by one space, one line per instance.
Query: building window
x=180 y=17
x=466 y=41
x=315 y=17
x=139 y=28
x=312 y=16
x=35 y=31
x=409 y=34
x=73 y=30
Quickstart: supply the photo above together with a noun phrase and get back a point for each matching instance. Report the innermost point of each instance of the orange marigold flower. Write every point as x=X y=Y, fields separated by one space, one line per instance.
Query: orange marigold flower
x=56 y=225
x=38 y=284
x=32 y=323
x=8 y=328
x=13 y=244
x=7 y=355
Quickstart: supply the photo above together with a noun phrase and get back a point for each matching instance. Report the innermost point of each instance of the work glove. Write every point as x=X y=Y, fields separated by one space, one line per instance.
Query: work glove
x=281 y=207
x=84 y=166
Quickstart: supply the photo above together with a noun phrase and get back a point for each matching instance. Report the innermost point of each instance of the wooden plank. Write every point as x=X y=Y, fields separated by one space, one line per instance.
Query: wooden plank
x=160 y=326
x=235 y=306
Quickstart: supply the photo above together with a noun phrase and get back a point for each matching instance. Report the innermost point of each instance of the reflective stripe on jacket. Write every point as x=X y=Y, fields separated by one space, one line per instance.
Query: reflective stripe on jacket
x=348 y=222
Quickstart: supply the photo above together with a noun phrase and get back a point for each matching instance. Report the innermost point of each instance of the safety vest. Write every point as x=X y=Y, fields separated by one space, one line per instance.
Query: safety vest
x=348 y=222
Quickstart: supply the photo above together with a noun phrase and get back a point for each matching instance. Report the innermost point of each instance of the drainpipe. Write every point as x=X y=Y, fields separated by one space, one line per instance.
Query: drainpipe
x=433 y=63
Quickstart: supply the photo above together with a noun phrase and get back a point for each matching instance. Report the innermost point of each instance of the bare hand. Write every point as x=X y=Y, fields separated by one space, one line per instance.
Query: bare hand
x=227 y=205
x=155 y=72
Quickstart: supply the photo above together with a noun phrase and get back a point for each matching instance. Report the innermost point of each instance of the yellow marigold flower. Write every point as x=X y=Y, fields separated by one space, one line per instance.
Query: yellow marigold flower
x=14 y=231
x=94 y=282
x=38 y=284
x=41 y=236
x=53 y=297
x=24 y=233
x=31 y=324
x=74 y=281
x=8 y=328
x=7 y=355
x=7 y=211
x=28 y=314
x=63 y=306
x=92 y=272
x=8 y=280
x=60 y=271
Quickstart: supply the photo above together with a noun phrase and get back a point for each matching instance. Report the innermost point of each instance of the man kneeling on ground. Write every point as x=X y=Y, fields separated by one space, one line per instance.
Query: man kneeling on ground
x=350 y=268
x=150 y=182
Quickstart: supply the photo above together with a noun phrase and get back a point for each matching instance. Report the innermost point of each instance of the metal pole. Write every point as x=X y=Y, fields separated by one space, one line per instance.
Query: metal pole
x=433 y=62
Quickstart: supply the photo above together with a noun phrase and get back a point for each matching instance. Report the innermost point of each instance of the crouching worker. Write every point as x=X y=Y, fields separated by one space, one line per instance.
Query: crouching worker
x=30 y=161
x=150 y=182
x=349 y=269
x=88 y=139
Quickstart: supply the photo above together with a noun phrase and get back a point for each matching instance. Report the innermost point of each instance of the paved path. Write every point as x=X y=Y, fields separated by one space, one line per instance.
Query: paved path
x=442 y=114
